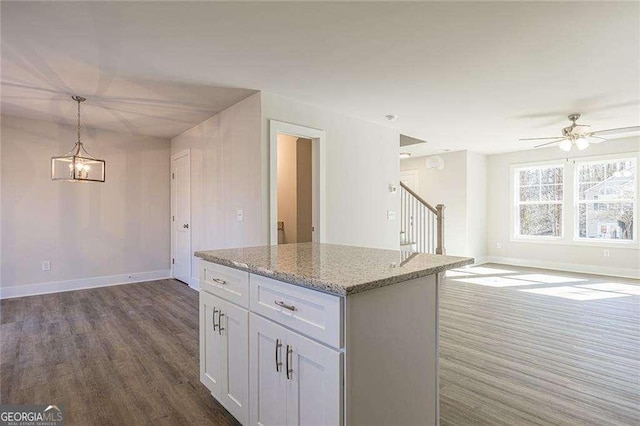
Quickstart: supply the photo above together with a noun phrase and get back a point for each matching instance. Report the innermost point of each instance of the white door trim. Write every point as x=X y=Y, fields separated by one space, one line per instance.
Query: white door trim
x=175 y=157
x=319 y=139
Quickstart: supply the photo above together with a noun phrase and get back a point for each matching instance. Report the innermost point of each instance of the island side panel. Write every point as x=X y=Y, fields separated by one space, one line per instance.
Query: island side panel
x=392 y=355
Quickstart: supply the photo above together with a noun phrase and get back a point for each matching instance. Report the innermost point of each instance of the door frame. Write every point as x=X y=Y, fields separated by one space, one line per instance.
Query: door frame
x=414 y=173
x=174 y=158
x=319 y=155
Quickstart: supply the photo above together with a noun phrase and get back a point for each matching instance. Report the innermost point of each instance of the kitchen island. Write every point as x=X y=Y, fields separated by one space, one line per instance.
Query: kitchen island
x=322 y=334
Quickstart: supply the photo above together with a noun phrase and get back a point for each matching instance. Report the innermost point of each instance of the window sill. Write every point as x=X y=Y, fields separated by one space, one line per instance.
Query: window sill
x=631 y=245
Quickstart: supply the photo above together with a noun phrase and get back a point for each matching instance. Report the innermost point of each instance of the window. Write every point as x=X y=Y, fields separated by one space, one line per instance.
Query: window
x=538 y=201
x=606 y=199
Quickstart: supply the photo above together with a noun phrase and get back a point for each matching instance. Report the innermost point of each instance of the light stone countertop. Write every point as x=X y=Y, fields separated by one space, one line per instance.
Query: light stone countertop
x=336 y=269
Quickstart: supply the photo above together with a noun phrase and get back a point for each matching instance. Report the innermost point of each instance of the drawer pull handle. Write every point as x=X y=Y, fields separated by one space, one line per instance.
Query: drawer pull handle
x=220 y=328
x=218 y=281
x=284 y=305
x=278 y=363
x=289 y=369
x=215 y=311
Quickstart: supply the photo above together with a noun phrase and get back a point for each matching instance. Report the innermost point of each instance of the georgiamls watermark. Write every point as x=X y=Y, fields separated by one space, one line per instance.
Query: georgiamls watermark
x=31 y=415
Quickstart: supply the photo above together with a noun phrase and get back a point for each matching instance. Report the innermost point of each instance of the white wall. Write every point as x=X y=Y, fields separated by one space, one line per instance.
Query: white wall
x=583 y=258
x=226 y=175
x=362 y=160
x=477 y=205
x=449 y=186
x=462 y=187
x=93 y=233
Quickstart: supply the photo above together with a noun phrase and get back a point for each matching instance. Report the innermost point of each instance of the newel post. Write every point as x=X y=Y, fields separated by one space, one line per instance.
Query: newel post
x=440 y=243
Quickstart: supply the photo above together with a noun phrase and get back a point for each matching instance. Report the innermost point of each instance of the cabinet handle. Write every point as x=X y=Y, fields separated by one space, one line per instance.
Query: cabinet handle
x=278 y=363
x=218 y=281
x=214 y=318
x=289 y=370
x=284 y=305
x=220 y=328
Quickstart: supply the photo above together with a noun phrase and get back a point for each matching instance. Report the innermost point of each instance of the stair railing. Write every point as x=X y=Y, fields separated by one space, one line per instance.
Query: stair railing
x=421 y=224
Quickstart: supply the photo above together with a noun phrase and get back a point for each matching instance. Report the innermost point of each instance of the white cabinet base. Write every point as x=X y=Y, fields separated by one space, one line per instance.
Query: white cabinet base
x=302 y=358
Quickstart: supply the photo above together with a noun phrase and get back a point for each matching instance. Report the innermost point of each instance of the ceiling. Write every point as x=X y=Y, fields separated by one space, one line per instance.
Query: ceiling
x=471 y=76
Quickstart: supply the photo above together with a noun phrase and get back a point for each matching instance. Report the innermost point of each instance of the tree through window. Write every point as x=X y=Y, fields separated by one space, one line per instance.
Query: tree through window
x=539 y=195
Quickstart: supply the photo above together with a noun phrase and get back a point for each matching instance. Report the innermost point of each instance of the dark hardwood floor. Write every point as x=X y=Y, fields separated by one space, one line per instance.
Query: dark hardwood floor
x=122 y=355
x=129 y=354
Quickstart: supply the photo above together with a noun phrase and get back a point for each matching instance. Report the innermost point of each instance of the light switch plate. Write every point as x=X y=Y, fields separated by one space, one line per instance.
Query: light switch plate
x=391 y=215
x=240 y=215
x=46 y=265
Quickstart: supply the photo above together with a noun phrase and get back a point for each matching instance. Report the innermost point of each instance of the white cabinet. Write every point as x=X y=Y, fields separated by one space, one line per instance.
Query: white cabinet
x=268 y=391
x=294 y=380
x=314 y=389
x=278 y=354
x=224 y=353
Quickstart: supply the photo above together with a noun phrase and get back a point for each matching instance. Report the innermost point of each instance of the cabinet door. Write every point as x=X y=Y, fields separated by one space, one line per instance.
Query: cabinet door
x=267 y=375
x=210 y=344
x=235 y=360
x=314 y=387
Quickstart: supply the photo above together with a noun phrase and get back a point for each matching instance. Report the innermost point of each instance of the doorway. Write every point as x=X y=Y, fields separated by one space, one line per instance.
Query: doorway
x=181 y=216
x=296 y=184
x=295 y=190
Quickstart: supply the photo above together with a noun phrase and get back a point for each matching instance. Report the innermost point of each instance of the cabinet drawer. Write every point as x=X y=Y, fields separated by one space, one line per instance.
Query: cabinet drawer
x=227 y=283
x=310 y=312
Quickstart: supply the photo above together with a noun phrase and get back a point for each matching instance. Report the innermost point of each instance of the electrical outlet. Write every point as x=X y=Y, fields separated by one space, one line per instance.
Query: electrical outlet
x=240 y=215
x=606 y=253
x=499 y=245
x=46 y=265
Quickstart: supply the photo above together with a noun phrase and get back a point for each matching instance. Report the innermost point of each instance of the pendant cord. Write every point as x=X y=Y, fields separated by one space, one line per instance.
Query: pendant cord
x=79 y=122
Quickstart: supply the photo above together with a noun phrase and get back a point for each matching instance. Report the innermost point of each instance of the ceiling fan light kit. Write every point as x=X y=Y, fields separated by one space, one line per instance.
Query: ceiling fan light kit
x=77 y=165
x=580 y=135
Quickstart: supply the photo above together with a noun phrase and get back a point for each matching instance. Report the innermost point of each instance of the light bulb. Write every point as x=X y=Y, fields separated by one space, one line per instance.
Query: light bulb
x=582 y=143
x=79 y=166
x=565 y=145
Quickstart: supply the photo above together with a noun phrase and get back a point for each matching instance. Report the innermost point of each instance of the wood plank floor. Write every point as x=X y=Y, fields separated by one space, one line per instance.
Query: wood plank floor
x=123 y=355
x=509 y=356
x=129 y=354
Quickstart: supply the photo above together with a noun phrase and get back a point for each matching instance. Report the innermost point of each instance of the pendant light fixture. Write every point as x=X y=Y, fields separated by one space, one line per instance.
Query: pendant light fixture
x=77 y=165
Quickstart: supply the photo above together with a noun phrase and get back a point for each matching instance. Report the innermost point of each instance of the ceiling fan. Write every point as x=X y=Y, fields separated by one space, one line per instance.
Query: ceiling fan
x=580 y=135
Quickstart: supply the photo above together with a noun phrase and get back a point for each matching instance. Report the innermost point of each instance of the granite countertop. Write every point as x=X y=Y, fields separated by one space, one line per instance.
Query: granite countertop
x=336 y=269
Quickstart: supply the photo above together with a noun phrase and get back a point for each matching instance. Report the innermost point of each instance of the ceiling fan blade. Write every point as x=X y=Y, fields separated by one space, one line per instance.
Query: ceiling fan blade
x=549 y=143
x=538 y=139
x=616 y=131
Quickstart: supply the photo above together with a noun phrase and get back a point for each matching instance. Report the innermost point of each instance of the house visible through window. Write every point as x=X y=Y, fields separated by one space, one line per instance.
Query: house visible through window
x=606 y=199
x=539 y=196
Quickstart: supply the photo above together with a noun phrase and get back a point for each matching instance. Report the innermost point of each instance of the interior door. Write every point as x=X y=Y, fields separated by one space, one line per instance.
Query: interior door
x=314 y=388
x=235 y=360
x=267 y=375
x=181 y=217
x=210 y=344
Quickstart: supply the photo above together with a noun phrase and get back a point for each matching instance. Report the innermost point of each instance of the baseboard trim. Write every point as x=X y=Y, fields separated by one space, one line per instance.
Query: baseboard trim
x=194 y=283
x=82 y=283
x=568 y=267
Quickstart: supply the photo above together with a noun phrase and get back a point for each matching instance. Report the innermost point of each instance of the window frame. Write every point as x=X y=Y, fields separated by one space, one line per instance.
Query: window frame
x=515 y=201
x=576 y=201
x=569 y=211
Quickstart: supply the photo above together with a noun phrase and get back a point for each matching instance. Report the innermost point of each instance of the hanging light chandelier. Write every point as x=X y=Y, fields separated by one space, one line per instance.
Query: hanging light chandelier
x=77 y=165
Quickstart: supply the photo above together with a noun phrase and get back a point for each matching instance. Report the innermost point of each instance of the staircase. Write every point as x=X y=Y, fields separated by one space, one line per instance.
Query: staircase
x=421 y=224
